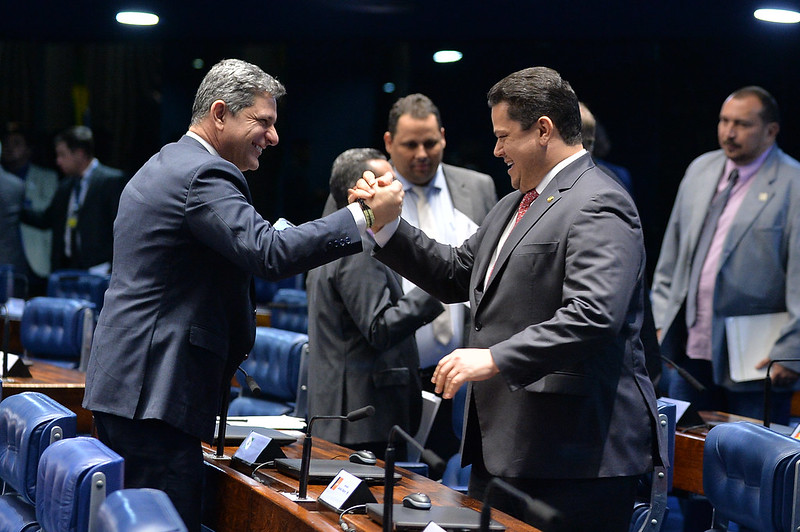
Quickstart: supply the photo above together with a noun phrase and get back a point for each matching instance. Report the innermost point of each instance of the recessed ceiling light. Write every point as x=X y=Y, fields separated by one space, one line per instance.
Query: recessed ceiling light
x=137 y=18
x=782 y=16
x=447 y=56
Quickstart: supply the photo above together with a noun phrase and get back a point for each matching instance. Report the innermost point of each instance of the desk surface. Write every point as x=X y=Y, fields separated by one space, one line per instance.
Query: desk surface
x=238 y=503
x=64 y=385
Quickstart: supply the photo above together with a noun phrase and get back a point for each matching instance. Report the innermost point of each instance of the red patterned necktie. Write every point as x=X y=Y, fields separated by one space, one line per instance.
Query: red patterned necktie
x=527 y=199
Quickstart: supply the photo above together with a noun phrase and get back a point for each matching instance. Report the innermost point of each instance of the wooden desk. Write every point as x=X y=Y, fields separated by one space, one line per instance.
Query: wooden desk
x=64 y=385
x=687 y=472
x=235 y=502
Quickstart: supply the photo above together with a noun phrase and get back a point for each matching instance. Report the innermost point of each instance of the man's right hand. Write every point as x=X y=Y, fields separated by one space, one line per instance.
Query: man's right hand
x=384 y=195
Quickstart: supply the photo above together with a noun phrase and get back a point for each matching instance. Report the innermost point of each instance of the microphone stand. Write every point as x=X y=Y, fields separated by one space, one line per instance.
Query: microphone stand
x=538 y=513
x=223 y=411
x=768 y=389
x=429 y=457
x=305 y=462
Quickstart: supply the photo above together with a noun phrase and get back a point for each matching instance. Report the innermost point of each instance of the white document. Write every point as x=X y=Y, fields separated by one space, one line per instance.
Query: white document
x=750 y=339
x=271 y=422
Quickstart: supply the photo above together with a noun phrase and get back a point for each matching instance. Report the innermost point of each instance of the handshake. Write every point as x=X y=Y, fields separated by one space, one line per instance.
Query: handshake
x=382 y=195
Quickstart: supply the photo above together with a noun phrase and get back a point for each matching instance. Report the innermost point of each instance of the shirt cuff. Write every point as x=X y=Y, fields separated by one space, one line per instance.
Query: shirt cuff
x=387 y=231
x=358 y=218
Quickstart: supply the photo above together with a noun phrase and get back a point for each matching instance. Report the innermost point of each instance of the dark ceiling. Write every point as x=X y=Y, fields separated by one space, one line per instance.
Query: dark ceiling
x=314 y=20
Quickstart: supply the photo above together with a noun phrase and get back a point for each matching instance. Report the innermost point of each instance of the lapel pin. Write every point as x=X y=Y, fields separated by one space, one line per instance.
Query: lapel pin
x=763 y=196
x=550 y=198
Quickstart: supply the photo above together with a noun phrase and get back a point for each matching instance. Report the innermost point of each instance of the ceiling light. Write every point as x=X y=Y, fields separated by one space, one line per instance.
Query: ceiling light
x=782 y=16
x=447 y=56
x=137 y=18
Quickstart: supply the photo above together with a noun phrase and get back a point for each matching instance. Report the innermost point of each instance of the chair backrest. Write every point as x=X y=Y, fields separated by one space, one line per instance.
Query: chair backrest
x=29 y=423
x=138 y=510
x=274 y=363
x=78 y=284
x=750 y=476
x=58 y=329
x=75 y=475
x=265 y=290
x=301 y=400
x=6 y=282
x=289 y=310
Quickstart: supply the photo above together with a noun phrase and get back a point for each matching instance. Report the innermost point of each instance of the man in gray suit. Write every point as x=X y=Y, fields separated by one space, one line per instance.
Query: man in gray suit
x=559 y=403
x=178 y=316
x=361 y=333
x=12 y=192
x=751 y=265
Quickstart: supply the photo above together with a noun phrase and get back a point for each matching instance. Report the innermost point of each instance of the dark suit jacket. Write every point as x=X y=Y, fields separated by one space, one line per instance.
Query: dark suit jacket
x=12 y=196
x=561 y=314
x=178 y=315
x=95 y=221
x=362 y=349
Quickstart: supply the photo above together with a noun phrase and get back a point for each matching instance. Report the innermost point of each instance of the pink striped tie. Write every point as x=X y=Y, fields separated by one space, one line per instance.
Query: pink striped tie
x=527 y=199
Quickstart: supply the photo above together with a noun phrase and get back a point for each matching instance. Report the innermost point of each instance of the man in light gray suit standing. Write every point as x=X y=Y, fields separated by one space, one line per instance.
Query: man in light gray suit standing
x=732 y=248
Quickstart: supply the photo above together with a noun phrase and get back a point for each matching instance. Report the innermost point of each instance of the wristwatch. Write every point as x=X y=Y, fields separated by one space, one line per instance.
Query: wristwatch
x=369 y=216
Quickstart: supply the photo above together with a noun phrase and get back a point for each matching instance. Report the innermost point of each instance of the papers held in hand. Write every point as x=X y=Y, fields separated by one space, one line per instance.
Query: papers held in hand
x=750 y=339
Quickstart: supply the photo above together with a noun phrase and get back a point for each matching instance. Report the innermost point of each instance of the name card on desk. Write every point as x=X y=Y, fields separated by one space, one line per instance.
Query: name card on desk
x=346 y=491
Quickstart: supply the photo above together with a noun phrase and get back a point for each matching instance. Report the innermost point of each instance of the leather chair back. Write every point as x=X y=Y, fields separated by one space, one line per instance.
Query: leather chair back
x=265 y=290
x=138 y=510
x=750 y=477
x=78 y=284
x=75 y=475
x=289 y=310
x=58 y=329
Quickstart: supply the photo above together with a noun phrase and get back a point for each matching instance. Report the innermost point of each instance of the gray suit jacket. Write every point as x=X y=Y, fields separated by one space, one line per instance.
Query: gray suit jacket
x=12 y=196
x=561 y=314
x=178 y=316
x=40 y=188
x=362 y=349
x=759 y=269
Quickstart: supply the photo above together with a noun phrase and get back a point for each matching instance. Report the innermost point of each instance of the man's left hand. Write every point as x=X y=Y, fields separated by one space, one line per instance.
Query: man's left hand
x=460 y=366
x=779 y=375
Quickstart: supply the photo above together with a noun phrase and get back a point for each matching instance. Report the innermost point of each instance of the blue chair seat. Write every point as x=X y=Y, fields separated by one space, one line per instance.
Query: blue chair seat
x=138 y=510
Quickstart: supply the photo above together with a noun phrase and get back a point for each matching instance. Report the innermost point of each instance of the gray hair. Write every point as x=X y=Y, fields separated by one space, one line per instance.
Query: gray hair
x=235 y=82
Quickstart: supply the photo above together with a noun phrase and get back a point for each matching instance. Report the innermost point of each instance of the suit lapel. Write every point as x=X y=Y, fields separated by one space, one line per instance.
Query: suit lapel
x=758 y=196
x=458 y=191
x=702 y=197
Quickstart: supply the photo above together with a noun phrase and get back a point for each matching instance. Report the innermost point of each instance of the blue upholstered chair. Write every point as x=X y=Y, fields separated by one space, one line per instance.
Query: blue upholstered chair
x=274 y=363
x=750 y=477
x=138 y=510
x=265 y=290
x=75 y=475
x=289 y=310
x=455 y=476
x=58 y=330
x=29 y=423
x=78 y=284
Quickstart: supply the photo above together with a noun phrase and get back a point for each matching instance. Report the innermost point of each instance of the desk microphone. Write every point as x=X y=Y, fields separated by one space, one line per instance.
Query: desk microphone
x=429 y=457
x=685 y=374
x=768 y=388
x=305 y=463
x=537 y=513
x=223 y=410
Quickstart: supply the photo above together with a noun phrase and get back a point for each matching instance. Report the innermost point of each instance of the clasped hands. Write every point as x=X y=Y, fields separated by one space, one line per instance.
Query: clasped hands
x=382 y=194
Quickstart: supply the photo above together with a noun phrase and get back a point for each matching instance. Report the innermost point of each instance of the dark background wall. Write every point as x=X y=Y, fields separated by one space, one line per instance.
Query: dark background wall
x=653 y=77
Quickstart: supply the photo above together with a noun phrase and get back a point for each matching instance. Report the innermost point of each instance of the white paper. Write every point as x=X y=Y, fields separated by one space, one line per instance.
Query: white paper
x=270 y=422
x=750 y=339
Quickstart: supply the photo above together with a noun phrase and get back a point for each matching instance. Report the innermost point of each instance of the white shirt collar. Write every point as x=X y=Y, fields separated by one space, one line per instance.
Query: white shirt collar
x=204 y=142
x=556 y=169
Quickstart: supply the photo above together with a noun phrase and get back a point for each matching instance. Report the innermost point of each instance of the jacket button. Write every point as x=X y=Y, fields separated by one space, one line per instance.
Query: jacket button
x=478 y=326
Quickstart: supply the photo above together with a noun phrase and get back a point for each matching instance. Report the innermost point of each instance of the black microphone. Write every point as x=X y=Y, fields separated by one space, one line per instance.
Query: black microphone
x=537 y=513
x=685 y=374
x=305 y=463
x=768 y=388
x=255 y=389
x=436 y=464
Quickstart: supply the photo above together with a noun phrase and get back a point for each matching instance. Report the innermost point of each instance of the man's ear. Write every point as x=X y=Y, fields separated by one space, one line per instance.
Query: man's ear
x=218 y=111
x=546 y=129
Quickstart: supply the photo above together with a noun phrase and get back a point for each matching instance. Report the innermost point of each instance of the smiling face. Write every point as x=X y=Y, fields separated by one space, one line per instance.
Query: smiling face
x=242 y=137
x=416 y=148
x=520 y=149
x=742 y=132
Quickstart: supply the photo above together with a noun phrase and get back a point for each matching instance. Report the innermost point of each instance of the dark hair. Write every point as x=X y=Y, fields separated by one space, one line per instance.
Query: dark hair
x=536 y=92
x=77 y=138
x=417 y=106
x=769 y=106
x=347 y=168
